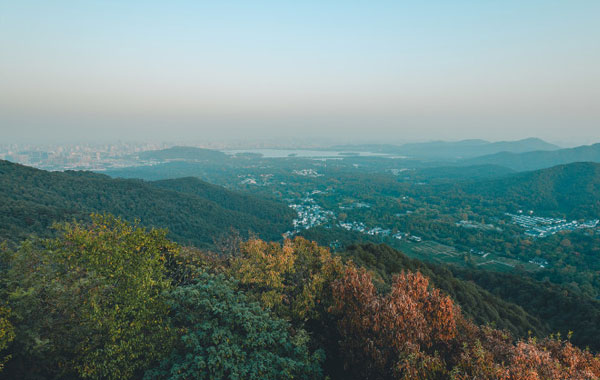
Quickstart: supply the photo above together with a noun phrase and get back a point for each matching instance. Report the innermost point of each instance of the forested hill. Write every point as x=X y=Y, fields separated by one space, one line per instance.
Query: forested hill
x=518 y=304
x=477 y=303
x=572 y=189
x=459 y=173
x=138 y=306
x=539 y=159
x=31 y=200
x=232 y=200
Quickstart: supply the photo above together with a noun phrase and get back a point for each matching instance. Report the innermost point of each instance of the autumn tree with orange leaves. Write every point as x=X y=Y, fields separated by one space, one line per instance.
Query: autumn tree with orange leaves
x=489 y=354
x=397 y=335
x=415 y=332
x=293 y=279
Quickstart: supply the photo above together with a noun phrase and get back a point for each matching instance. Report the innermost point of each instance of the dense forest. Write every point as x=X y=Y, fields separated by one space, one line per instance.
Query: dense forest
x=446 y=173
x=572 y=189
x=561 y=308
x=508 y=301
x=195 y=212
x=106 y=299
x=97 y=296
x=236 y=201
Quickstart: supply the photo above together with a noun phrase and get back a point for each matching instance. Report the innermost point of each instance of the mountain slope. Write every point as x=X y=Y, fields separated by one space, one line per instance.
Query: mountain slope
x=509 y=301
x=539 y=159
x=231 y=200
x=457 y=173
x=561 y=308
x=32 y=199
x=572 y=189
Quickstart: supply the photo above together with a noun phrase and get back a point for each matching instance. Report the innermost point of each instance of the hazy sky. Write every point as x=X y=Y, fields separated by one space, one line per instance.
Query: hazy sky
x=361 y=70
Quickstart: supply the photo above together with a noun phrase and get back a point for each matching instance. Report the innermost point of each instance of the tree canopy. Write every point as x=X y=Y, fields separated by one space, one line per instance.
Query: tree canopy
x=89 y=302
x=107 y=299
x=223 y=335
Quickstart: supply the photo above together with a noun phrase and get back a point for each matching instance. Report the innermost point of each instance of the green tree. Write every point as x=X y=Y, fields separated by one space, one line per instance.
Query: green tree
x=7 y=334
x=89 y=303
x=292 y=279
x=224 y=336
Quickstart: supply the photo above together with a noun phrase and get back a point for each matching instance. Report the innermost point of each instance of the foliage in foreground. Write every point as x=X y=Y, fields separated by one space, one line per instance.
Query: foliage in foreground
x=414 y=332
x=224 y=336
x=398 y=335
x=292 y=279
x=89 y=303
x=113 y=300
x=7 y=334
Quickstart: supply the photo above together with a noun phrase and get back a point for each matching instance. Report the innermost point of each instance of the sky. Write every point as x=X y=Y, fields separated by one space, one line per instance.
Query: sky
x=363 y=71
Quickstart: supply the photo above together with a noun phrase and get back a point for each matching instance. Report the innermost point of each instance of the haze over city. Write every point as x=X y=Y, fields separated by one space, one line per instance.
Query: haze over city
x=75 y=71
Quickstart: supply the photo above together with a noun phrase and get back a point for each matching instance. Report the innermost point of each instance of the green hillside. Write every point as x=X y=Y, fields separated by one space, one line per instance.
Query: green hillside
x=477 y=303
x=562 y=309
x=31 y=200
x=231 y=200
x=457 y=173
x=572 y=189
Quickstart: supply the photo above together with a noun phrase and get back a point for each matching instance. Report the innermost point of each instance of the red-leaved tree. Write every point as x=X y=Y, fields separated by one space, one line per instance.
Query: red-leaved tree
x=415 y=332
x=398 y=335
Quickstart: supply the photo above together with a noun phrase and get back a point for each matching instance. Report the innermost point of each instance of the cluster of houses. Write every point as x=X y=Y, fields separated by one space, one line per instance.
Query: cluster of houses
x=309 y=215
x=360 y=227
x=354 y=226
x=539 y=262
x=540 y=227
x=377 y=231
x=308 y=173
x=262 y=180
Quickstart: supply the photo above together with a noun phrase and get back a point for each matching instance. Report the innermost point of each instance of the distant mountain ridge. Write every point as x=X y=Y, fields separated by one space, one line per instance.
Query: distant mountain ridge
x=454 y=149
x=539 y=159
x=194 y=211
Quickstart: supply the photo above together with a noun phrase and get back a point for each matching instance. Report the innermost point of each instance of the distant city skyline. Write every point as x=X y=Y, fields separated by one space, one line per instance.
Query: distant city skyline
x=337 y=71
